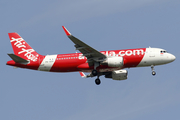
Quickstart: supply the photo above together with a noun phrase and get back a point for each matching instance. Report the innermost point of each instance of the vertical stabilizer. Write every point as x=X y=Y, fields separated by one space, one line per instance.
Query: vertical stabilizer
x=21 y=48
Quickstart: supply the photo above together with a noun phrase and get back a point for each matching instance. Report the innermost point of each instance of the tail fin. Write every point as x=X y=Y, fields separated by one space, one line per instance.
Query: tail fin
x=21 y=48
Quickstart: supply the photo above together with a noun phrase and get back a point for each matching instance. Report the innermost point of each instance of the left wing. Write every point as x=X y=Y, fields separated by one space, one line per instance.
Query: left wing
x=82 y=75
x=86 y=76
x=92 y=54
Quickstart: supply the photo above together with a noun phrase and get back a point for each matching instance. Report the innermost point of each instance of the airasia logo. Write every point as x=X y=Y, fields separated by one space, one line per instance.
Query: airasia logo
x=120 y=53
x=131 y=52
x=20 y=43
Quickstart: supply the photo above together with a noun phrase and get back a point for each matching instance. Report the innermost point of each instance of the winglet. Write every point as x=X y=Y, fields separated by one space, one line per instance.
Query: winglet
x=82 y=75
x=66 y=31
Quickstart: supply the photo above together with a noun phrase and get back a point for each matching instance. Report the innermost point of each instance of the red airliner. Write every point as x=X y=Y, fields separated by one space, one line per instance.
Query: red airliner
x=109 y=63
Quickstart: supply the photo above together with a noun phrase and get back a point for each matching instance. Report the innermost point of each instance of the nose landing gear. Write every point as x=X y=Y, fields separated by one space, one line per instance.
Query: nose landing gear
x=153 y=72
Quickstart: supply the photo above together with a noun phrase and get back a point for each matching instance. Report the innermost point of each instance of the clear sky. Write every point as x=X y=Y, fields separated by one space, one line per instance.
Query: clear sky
x=104 y=25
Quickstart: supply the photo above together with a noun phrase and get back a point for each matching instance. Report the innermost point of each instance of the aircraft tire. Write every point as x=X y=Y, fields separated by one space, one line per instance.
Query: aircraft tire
x=153 y=73
x=94 y=72
x=98 y=81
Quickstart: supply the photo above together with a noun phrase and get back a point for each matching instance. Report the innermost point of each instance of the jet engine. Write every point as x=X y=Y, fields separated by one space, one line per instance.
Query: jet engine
x=113 y=62
x=118 y=75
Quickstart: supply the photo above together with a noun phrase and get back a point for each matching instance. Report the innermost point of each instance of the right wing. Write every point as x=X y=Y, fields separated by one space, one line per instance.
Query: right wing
x=92 y=54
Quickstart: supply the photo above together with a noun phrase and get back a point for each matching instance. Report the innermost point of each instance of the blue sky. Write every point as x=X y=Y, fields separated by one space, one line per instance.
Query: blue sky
x=104 y=25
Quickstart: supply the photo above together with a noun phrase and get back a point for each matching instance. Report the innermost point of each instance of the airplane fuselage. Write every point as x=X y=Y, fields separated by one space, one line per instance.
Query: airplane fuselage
x=140 y=57
x=108 y=63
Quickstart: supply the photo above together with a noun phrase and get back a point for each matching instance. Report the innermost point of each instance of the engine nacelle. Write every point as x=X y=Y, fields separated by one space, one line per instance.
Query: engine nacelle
x=118 y=75
x=113 y=62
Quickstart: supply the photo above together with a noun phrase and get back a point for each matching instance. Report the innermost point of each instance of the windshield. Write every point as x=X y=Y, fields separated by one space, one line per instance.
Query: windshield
x=163 y=51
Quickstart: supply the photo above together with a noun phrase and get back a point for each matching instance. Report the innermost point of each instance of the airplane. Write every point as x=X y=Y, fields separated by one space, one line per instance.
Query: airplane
x=110 y=63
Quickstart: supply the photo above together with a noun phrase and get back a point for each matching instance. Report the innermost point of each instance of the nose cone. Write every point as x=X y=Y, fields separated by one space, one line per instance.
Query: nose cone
x=169 y=58
x=173 y=57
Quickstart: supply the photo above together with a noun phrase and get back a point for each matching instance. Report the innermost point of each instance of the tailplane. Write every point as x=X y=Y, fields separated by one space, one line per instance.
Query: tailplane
x=21 y=49
x=18 y=59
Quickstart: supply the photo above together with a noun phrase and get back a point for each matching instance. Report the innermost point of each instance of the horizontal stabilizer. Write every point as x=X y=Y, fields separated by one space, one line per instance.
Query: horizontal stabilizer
x=18 y=59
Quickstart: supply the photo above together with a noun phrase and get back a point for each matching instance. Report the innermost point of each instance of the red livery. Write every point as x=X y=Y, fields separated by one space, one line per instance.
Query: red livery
x=111 y=63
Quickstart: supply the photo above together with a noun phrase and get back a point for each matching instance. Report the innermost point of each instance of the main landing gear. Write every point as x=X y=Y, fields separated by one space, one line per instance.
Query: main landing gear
x=153 y=72
x=98 y=81
x=95 y=73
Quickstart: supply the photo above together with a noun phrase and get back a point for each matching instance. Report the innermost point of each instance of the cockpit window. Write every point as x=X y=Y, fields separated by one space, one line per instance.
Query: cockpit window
x=163 y=51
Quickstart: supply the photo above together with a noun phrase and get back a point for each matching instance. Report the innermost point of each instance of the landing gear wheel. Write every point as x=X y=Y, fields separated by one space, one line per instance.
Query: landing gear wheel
x=97 y=81
x=94 y=72
x=153 y=73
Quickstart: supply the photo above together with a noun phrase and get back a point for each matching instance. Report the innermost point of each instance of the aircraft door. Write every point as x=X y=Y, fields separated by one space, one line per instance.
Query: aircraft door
x=151 y=53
